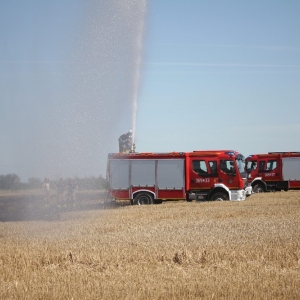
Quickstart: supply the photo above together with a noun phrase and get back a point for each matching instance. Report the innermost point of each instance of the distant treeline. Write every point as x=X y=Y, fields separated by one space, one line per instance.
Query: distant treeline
x=13 y=182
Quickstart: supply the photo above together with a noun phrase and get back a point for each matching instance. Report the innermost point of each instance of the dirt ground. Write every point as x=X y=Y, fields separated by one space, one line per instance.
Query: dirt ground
x=25 y=206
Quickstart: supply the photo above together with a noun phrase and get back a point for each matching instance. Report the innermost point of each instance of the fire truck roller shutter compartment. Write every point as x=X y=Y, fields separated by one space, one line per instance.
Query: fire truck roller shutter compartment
x=291 y=168
x=170 y=174
x=143 y=172
x=119 y=174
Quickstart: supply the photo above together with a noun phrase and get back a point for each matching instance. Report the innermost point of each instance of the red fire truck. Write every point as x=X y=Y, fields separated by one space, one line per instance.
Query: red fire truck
x=147 y=178
x=274 y=171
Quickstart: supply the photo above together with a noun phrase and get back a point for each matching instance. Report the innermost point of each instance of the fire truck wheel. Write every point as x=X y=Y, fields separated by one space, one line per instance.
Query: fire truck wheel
x=143 y=199
x=258 y=188
x=219 y=197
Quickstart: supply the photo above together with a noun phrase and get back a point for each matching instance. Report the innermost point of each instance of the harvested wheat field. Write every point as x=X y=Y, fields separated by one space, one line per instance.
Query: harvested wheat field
x=174 y=250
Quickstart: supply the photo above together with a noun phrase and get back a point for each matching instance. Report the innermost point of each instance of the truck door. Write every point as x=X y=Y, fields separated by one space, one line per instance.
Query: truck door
x=269 y=170
x=229 y=174
x=203 y=174
x=251 y=169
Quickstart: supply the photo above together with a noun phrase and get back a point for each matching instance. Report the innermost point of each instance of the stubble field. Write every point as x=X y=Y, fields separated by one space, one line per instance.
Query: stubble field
x=175 y=250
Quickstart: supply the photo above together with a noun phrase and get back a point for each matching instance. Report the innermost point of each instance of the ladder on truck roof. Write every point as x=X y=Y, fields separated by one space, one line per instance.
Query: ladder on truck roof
x=286 y=152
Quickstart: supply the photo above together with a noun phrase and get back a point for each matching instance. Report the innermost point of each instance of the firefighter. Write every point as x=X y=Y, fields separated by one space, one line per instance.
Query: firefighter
x=46 y=190
x=60 y=186
x=71 y=188
x=125 y=142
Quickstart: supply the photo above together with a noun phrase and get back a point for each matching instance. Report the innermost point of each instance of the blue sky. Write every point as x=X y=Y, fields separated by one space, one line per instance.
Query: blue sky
x=213 y=75
x=221 y=74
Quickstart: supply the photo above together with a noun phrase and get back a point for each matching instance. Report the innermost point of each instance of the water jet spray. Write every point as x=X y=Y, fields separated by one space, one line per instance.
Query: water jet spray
x=137 y=71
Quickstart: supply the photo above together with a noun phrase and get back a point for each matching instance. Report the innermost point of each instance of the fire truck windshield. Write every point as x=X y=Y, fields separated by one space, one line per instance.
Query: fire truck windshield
x=240 y=161
x=251 y=165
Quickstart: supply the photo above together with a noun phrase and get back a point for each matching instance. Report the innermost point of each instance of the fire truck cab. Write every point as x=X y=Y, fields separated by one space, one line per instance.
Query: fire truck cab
x=274 y=171
x=147 y=178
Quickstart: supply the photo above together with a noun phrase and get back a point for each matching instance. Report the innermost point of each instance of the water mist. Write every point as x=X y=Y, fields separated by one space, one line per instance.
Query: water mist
x=105 y=79
x=72 y=90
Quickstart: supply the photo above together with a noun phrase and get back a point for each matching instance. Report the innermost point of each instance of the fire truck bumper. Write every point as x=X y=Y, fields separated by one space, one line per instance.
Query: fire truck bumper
x=249 y=190
x=238 y=195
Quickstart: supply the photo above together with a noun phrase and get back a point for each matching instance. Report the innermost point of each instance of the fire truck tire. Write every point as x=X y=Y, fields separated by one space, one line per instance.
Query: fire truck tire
x=219 y=197
x=143 y=199
x=258 y=188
